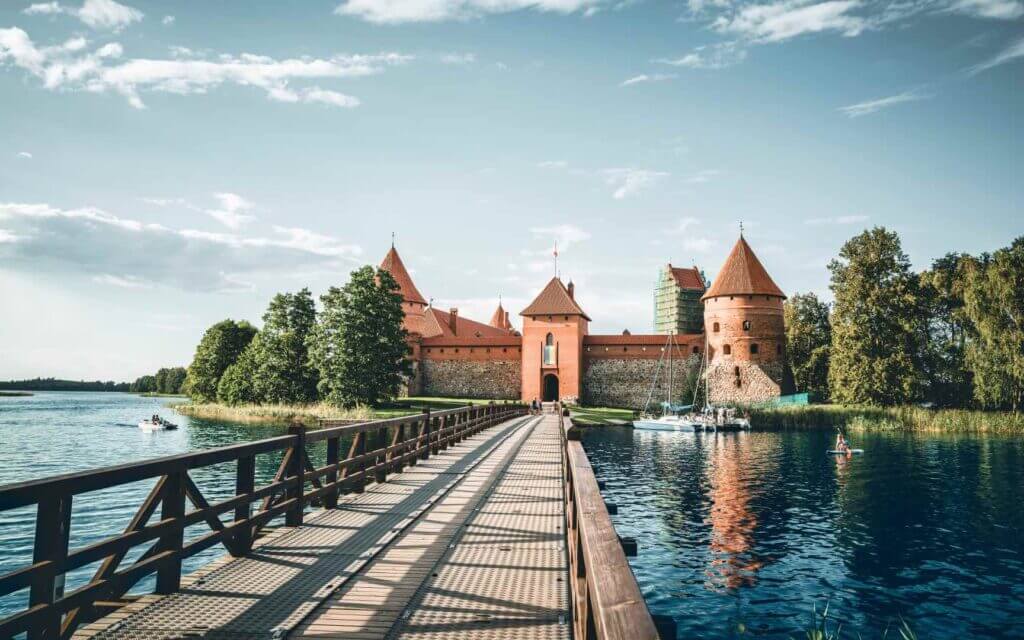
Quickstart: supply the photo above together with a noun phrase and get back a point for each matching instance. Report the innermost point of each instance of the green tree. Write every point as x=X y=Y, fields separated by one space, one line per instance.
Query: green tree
x=238 y=384
x=143 y=384
x=219 y=349
x=877 y=323
x=947 y=332
x=283 y=370
x=808 y=342
x=358 y=345
x=175 y=380
x=993 y=293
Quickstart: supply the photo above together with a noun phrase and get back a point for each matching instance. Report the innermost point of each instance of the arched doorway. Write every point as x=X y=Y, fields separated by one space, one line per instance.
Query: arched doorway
x=550 y=388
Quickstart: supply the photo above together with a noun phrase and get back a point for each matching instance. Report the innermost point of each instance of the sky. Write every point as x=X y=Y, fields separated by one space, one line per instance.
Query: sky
x=167 y=165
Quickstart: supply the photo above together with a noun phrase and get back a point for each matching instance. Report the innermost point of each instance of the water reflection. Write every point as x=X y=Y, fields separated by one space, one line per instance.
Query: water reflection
x=748 y=531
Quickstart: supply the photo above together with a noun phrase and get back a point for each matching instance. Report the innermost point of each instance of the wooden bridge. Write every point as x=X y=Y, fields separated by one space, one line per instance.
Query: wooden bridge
x=479 y=522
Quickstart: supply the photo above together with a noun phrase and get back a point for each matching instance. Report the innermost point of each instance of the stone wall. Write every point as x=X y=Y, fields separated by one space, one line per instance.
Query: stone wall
x=626 y=382
x=497 y=379
x=745 y=382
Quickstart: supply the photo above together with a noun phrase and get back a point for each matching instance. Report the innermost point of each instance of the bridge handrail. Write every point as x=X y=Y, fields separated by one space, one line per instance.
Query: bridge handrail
x=606 y=599
x=52 y=614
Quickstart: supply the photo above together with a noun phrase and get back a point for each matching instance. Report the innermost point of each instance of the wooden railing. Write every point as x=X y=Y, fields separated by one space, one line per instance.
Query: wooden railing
x=606 y=600
x=52 y=613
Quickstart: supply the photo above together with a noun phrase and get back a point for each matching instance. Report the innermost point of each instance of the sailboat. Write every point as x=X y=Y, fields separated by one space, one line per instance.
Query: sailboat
x=671 y=418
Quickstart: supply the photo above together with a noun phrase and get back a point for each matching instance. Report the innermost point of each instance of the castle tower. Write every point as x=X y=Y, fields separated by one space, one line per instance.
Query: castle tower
x=677 y=301
x=412 y=301
x=553 y=328
x=746 y=336
x=500 y=319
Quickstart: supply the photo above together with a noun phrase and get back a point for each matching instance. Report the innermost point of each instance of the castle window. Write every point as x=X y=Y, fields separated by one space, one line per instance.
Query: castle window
x=624 y=348
x=488 y=349
x=753 y=348
x=442 y=350
x=736 y=370
x=746 y=325
x=696 y=349
x=504 y=350
x=750 y=297
x=456 y=350
x=778 y=349
x=566 y=318
x=739 y=383
x=716 y=328
x=549 y=340
x=726 y=349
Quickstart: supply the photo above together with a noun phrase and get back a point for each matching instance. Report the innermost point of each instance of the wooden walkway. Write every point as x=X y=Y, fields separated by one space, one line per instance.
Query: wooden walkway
x=468 y=544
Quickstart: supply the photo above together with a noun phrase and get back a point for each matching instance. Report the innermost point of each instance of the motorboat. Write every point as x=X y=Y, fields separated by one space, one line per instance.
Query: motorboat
x=156 y=423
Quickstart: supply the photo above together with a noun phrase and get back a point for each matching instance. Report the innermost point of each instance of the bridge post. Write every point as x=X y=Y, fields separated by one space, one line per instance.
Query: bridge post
x=425 y=431
x=293 y=517
x=333 y=446
x=380 y=473
x=168 y=577
x=53 y=524
x=245 y=482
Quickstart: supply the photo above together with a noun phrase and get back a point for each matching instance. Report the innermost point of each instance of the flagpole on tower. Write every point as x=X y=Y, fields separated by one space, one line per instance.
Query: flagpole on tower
x=556 y=259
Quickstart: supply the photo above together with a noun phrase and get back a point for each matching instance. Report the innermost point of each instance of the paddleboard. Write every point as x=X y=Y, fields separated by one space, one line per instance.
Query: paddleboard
x=833 y=452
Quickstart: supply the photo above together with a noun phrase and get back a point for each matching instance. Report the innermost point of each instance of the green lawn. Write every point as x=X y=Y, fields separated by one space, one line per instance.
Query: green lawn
x=600 y=416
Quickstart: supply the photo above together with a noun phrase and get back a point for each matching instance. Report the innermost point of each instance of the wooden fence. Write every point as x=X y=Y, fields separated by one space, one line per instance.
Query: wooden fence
x=52 y=613
x=606 y=600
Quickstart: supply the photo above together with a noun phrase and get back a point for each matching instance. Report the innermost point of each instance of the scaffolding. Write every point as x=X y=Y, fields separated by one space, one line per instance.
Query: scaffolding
x=677 y=310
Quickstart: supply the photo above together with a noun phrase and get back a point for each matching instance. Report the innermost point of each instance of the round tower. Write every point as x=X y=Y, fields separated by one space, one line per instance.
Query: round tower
x=745 y=331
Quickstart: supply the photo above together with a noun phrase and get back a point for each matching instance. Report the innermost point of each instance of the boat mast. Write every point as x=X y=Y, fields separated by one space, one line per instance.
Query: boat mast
x=671 y=341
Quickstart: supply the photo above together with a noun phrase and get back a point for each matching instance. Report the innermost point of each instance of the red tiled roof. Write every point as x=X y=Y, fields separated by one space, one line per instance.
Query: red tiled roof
x=392 y=263
x=500 y=319
x=438 y=323
x=647 y=339
x=554 y=300
x=742 y=274
x=687 y=278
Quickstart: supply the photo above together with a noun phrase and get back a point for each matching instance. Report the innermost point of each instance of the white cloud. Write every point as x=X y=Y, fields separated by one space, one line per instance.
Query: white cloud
x=685 y=224
x=25 y=154
x=232 y=210
x=1010 y=53
x=98 y=14
x=698 y=245
x=564 y=235
x=644 y=77
x=840 y=220
x=399 y=11
x=629 y=181
x=125 y=252
x=871 y=106
x=58 y=68
x=553 y=164
x=167 y=20
x=785 y=19
x=8 y=237
x=702 y=176
x=994 y=9
x=458 y=58
x=716 y=56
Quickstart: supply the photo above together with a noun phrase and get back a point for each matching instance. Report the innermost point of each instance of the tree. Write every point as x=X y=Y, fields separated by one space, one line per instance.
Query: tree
x=947 y=332
x=358 y=345
x=808 y=342
x=219 y=349
x=993 y=294
x=877 y=323
x=283 y=371
x=143 y=384
x=238 y=384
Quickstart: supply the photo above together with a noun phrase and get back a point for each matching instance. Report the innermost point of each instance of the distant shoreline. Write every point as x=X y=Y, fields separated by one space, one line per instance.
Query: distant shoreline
x=15 y=394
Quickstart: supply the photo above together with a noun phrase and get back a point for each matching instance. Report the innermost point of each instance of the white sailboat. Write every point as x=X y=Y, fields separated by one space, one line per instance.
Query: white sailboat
x=670 y=420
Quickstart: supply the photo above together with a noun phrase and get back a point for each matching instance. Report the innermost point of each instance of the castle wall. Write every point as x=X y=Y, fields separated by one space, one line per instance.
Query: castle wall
x=487 y=368
x=618 y=371
x=745 y=382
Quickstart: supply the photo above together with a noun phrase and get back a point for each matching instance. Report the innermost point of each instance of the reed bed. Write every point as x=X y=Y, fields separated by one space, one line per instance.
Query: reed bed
x=309 y=414
x=906 y=418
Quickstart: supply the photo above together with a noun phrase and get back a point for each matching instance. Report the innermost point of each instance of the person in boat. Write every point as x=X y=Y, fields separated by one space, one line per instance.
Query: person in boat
x=841 y=445
x=155 y=419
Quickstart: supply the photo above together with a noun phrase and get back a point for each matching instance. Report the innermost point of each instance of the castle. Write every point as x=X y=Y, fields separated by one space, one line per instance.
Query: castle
x=739 y=321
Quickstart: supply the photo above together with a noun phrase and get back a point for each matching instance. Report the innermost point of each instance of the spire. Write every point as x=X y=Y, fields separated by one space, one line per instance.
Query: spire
x=743 y=274
x=392 y=263
x=500 y=318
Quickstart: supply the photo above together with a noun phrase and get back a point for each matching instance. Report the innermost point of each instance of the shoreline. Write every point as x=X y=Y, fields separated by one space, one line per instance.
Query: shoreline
x=312 y=414
x=15 y=394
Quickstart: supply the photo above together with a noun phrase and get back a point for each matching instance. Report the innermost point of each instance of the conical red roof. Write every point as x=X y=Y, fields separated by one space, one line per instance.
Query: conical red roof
x=392 y=263
x=500 y=319
x=742 y=274
x=554 y=300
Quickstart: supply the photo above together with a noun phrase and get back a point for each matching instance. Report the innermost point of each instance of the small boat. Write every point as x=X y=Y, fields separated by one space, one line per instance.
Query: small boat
x=156 y=423
x=668 y=423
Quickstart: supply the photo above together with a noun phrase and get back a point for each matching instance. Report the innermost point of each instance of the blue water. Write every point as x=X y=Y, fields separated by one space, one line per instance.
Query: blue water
x=742 y=535
x=54 y=433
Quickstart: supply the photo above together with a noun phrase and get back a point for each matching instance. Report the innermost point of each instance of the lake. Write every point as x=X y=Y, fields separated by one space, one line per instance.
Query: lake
x=52 y=433
x=750 y=529
x=741 y=535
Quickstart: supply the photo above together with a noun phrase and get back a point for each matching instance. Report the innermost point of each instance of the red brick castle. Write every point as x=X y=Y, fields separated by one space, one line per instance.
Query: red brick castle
x=556 y=357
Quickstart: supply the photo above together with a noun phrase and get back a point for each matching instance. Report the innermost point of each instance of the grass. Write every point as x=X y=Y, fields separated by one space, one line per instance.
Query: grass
x=14 y=394
x=907 y=418
x=599 y=416
x=820 y=629
x=311 y=414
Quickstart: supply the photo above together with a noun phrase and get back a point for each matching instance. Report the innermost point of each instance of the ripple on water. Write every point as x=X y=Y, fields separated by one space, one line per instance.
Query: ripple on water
x=755 y=529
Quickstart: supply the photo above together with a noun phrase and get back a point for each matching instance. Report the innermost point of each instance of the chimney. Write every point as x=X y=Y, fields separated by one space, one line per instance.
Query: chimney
x=572 y=290
x=508 y=324
x=453 y=316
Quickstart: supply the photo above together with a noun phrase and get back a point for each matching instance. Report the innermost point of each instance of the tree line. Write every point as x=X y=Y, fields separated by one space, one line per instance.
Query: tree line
x=168 y=380
x=950 y=336
x=56 y=384
x=353 y=351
